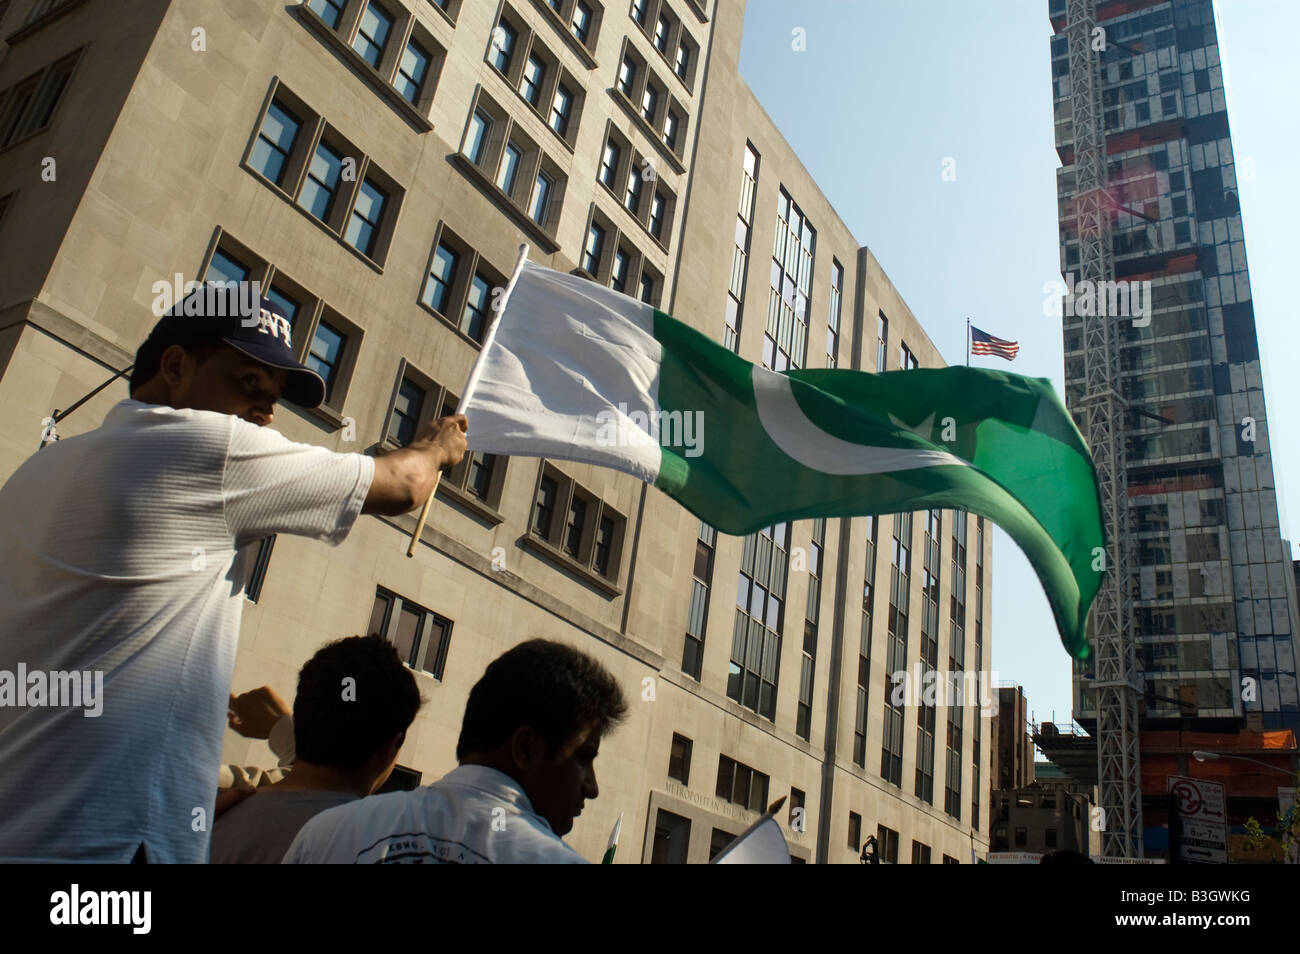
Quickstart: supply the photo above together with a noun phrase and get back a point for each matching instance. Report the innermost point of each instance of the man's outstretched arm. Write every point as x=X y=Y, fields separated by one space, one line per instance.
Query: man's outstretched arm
x=404 y=478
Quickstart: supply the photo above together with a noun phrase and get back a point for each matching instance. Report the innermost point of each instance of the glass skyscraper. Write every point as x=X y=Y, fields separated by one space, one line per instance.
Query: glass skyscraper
x=1214 y=598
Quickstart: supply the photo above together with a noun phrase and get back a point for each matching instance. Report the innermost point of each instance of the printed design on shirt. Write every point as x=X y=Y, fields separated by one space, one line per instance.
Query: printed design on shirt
x=419 y=848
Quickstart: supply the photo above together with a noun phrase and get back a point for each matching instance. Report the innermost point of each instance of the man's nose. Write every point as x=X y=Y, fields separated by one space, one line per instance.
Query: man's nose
x=590 y=789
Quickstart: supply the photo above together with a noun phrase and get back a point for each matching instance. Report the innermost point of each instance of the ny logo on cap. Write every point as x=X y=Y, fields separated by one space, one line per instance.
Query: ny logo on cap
x=269 y=323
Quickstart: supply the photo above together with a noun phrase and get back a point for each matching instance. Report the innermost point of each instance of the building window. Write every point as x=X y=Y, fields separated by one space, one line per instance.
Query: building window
x=372 y=33
x=619 y=273
x=785 y=339
x=679 y=759
x=30 y=105
x=420 y=636
x=1022 y=837
x=741 y=785
x=540 y=201
x=926 y=713
x=698 y=612
x=887 y=845
x=530 y=84
x=224 y=267
x=640 y=9
x=649 y=104
x=798 y=818
x=412 y=70
x=864 y=647
x=855 y=831
x=950 y=860
x=672 y=839
x=476 y=137
x=808 y=663
x=658 y=213
x=581 y=24
x=503 y=45
x=275 y=141
x=573 y=527
x=626 y=76
x=891 y=751
x=473 y=322
x=632 y=196
x=920 y=853
x=509 y=169
x=325 y=355
x=609 y=163
x=719 y=840
x=882 y=340
x=760 y=612
x=591 y=250
x=328 y=10
x=833 y=319
x=437 y=291
x=671 y=125
x=662 y=29
x=682 y=64
x=318 y=191
x=363 y=227
x=408 y=406
x=561 y=109
x=544 y=506
x=647 y=292
x=1050 y=836
x=590 y=535
x=257 y=571
x=906 y=360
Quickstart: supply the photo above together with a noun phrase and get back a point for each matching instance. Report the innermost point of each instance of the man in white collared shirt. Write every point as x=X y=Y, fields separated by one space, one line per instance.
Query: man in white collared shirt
x=530 y=736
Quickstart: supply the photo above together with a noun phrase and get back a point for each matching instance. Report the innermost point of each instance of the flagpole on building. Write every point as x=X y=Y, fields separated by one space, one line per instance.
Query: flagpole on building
x=968 y=342
x=471 y=383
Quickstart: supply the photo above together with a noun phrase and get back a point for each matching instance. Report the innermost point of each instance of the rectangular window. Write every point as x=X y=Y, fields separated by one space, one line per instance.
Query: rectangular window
x=920 y=853
x=649 y=104
x=679 y=759
x=697 y=615
x=473 y=322
x=662 y=29
x=619 y=273
x=632 y=195
x=573 y=527
x=604 y=548
x=544 y=506
x=530 y=84
x=658 y=212
x=561 y=109
x=886 y=845
x=509 y=170
x=640 y=8
x=328 y=10
x=224 y=267
x=437 y=292
x=275 y=141
x=412 y=70
x=419 y=635
x=609 y=163
x=326 y=354
x=671 y=125
x=503 y=46
x=372 y=33
x=741 y=785
x=541 y=197
x=647 y=284
x=683 y=62
x=476 y=137
x=672 y=839
x=407 y=407
x=363 y=227
x=855 y=831
x=591 y=251
x=760 y=600
x=291 y=306
x=882 y=341
x=581 y=24
x=626 y=76
x=318 y=191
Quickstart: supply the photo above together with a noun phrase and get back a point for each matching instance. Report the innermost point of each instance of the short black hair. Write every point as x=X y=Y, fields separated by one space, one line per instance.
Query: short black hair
x=343 y=724
x=148 y=359
x=551 y=687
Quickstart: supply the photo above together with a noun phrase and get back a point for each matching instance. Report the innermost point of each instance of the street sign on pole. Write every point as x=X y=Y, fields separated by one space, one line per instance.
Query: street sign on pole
x=1201 y=808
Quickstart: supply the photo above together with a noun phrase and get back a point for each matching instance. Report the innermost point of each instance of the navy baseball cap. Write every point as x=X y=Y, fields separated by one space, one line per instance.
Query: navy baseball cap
x=238 y=314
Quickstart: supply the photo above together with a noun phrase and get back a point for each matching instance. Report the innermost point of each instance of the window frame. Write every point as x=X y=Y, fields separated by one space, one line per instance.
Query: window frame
x=552 y=543
x=428 y=620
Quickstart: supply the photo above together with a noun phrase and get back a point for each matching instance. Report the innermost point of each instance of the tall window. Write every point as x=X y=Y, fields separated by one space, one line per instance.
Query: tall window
x=591 y=251
x=609 y=163
x=891 y=752
x=864 y=648
x=679 y=759
x=544 y=506
x=476 y=137
x=671 y=125
x=322 y=183
x=672 y=838
x=372 y=33
x=412 y=70
x=437 y=292
x=855 y=831
x=328 y=10
x=925 y=721
x=581 y=25
x=956 y=665
x=740 y=253
x=658 y=212
x=368 y=210
x=649 y=103
x=508 y=172
x=619 y=273
x=683 y=62
x=906 y=359
x=405 y=421
x=662 y=29
x=474 y=321
x=698 y=613
x=812 y=619
x=503 y=46
x=626 y=76
x=833 y=319
x=632 y=195
x=882 y=341
x=540 y=201
x=530 y=84
x=785 y=341
x=561 y=109
x=326 y=354
x=274 y=142
x=760 y=619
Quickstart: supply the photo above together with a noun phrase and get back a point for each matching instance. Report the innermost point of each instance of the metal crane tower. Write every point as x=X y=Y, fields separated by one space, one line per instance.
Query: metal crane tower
x=1104 y=409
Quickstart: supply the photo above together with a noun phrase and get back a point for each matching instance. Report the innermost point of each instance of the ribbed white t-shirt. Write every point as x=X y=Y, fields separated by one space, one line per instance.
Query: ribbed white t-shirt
x=123 y=551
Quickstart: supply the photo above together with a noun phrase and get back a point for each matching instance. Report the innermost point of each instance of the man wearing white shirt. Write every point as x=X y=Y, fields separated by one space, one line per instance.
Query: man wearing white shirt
x=527 y=747
x=123 y=554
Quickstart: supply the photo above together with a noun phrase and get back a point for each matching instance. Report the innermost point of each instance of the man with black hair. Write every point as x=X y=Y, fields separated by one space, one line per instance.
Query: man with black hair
x=354 y=704
x=531 y=732
x=124 y=554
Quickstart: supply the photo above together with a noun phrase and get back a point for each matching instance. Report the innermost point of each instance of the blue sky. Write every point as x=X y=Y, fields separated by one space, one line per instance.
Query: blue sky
x=887 y=90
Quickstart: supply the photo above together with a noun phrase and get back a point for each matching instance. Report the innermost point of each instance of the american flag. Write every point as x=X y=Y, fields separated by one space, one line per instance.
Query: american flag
x=981 y=342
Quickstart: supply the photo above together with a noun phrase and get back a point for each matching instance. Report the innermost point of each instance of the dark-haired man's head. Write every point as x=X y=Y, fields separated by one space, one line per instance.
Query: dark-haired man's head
x=538 y=714
x=354 y=704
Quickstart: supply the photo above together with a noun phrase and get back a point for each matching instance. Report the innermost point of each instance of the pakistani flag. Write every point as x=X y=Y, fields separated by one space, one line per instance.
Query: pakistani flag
x=575 y=371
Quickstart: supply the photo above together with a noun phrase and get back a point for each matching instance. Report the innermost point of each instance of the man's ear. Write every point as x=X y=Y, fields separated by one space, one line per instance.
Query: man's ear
x=527 y=747
x=171 y=365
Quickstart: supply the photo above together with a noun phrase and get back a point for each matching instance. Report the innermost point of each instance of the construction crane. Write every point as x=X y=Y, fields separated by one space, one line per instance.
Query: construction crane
x=1105 y=413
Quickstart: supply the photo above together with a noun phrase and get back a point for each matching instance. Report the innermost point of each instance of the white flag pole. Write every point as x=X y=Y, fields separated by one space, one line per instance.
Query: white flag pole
x=472 y=382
